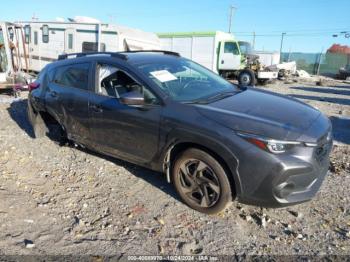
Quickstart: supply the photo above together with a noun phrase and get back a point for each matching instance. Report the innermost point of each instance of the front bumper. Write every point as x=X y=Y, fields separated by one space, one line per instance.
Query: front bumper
x=267 y=75
x=283 y=180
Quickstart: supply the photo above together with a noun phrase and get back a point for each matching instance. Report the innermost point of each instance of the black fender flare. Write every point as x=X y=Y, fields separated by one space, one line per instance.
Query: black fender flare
x=179 y=137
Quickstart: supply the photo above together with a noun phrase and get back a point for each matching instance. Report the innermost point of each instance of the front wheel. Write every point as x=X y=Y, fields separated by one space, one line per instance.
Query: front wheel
x=201 y=181
x=247 y=78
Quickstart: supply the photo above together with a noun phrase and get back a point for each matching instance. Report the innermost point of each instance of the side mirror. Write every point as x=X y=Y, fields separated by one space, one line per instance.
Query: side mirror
x=133 y=98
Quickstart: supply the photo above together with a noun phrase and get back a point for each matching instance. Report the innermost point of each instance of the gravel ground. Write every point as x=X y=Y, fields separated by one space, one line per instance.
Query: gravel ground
x=64 y=200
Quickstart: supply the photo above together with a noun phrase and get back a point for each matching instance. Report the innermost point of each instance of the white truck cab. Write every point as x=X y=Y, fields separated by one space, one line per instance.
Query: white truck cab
x=220 y=52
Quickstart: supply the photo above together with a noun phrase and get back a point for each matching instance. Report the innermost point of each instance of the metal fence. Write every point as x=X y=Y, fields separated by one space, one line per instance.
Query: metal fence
x=324 y=64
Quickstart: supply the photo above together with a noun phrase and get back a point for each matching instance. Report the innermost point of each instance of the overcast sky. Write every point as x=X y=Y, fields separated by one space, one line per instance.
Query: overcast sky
x=309 y=24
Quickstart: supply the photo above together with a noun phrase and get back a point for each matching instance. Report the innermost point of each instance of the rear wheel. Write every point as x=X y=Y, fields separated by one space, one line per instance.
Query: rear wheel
x=247 y=78
x=201 y=181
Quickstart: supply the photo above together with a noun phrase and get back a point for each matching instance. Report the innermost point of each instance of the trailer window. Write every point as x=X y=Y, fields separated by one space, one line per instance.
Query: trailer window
x=11 y=33
x=70 y=41
x=35 y=38
x=45 y=33
x=27 y=34
x=92 y=47
x=76 y=76
x=231 y=48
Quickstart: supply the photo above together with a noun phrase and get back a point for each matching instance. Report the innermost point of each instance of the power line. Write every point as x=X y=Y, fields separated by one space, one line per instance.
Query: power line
x=299 y=31
x=289 y=34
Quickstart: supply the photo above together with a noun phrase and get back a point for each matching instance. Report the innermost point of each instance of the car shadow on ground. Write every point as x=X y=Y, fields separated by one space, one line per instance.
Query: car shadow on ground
x=341 y=129
x=333 y=100
x=18 y=112
x=154 y=178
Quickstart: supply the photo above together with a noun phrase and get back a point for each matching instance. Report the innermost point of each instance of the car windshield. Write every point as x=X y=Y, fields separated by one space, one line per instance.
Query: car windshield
x=186 y=81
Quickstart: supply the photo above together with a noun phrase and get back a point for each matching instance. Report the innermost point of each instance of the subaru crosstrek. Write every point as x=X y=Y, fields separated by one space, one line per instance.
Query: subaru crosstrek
x=214 y=140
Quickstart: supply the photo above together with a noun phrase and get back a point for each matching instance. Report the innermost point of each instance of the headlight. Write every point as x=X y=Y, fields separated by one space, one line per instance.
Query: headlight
x=269 y=145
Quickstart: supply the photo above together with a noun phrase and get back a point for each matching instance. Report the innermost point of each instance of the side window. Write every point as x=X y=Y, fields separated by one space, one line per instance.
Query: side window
x=231 y=48
x=70 y=41
x=45 y=33
x=115 y=82
x=27 y=34
x=35 y=38
x=73 y=76
x=11 y=33
x=92 y=47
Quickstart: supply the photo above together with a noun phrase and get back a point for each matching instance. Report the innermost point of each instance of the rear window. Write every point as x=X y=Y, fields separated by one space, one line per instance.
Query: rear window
x=73 y=76
x=92 y=47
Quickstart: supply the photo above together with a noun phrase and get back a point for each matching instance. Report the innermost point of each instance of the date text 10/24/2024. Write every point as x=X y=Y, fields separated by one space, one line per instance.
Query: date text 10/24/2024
x=172 y=258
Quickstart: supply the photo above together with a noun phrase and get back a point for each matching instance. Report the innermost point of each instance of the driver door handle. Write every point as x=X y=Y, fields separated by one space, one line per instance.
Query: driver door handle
x=96 y=108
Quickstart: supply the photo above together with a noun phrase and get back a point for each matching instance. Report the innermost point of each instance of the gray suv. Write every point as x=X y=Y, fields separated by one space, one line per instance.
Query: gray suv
x=214 y=141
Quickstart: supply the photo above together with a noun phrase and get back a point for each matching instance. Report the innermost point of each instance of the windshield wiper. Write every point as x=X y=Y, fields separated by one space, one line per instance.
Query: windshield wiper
x=221 y=95
x=213 y=98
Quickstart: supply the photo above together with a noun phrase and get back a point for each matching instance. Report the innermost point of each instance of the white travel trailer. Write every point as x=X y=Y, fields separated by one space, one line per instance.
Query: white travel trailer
x=45 y=41
x=11 y=49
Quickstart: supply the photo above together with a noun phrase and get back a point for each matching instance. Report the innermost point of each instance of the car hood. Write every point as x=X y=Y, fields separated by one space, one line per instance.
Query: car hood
x=262 y=113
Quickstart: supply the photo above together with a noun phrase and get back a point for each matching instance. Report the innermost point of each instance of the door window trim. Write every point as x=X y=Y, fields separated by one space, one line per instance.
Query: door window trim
x=237 y=48
x=125 y=70
x=51 y=81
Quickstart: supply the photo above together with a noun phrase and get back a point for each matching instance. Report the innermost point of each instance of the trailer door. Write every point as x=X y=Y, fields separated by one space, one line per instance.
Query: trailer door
x=229 y=56
x=70 y=40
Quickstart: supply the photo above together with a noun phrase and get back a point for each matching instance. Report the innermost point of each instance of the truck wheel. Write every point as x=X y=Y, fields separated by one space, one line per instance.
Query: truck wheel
x=246 y=78
x=201 y=181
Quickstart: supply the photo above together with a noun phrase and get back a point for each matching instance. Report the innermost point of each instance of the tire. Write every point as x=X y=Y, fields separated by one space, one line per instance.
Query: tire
x=263 y=81
x=204 y=177
x=223 y=74
x=247 y=78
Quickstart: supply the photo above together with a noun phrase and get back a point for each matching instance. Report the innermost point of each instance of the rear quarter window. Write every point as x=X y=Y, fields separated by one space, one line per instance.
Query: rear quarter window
x=76 y=76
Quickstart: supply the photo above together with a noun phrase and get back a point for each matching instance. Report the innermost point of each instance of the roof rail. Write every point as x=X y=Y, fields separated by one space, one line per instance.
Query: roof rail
x=153 y=51
x=113 y=54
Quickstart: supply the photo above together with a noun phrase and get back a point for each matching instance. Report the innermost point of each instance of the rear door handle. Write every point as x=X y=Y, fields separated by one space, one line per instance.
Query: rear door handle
x=96 y=108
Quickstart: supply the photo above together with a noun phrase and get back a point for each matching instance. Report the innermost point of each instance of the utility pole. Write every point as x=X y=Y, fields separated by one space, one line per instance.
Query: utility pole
x=232 y=8
x=254 y=35
x=34 y=18
x=282 y=38
x=319 y=63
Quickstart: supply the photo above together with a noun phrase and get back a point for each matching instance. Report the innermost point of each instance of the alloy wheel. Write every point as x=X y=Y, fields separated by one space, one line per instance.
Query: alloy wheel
x=199 y=183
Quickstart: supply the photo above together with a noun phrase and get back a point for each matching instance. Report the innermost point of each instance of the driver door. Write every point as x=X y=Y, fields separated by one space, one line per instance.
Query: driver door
x=129 y=132
x=229 y=56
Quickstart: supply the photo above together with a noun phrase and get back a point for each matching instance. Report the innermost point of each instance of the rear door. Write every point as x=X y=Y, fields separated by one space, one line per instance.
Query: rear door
x=130 y=132
x=67 y=99
x=229 y=56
